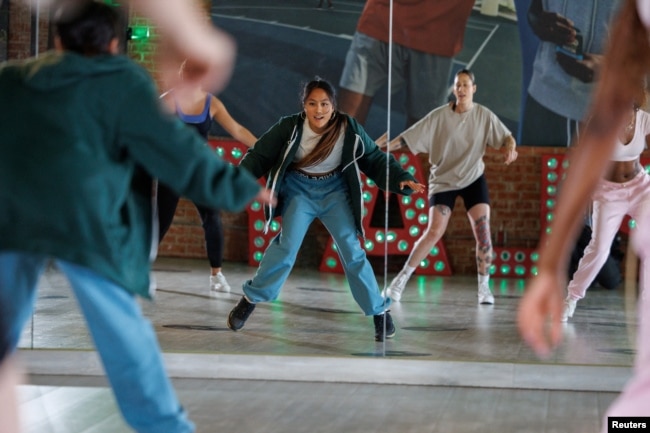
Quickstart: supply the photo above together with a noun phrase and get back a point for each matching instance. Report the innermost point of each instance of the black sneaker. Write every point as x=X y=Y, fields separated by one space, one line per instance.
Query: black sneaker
x=379 y=326
x=238 y=316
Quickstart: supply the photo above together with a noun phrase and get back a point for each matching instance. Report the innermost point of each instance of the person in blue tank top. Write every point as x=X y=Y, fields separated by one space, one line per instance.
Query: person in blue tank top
x=197 y=108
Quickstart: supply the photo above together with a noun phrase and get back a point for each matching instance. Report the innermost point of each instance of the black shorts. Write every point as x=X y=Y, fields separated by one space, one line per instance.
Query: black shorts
x=473 y=194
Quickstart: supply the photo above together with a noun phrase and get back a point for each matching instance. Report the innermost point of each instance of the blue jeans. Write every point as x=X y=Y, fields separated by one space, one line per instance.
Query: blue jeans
x=125 y=340
x=303 y=200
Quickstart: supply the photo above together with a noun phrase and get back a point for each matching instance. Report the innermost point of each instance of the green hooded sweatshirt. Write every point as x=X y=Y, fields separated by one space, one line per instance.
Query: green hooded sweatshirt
x=80 y=140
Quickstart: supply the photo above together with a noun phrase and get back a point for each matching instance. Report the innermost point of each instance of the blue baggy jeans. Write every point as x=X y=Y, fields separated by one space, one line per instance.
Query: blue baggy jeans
x=124 y=338
x=303 y=200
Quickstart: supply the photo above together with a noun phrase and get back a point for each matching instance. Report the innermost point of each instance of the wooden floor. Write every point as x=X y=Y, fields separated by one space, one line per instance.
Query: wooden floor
x=308 y=362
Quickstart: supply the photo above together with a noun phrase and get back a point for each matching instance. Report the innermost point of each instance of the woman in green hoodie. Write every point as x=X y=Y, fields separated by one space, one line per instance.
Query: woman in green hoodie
x=76 y=172
x=313 y=160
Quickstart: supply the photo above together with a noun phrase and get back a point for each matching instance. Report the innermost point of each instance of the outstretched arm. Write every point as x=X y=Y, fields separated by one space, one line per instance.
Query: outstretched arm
x=395 y=144
x=540 y=310
x=234 y=128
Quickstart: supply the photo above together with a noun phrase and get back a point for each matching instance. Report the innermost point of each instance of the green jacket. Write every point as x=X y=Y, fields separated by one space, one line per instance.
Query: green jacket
x=80 y=139
x=275 y=151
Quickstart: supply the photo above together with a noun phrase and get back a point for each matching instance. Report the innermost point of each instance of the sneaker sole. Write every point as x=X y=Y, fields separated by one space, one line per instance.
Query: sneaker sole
x=389 y=336
x=231 y=326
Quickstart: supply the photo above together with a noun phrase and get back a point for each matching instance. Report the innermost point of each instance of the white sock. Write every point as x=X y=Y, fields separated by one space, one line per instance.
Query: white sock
x=408 y=270
x=483 y=279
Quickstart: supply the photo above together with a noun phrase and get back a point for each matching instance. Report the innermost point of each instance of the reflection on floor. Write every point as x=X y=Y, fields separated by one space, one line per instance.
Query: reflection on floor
x=316 y=366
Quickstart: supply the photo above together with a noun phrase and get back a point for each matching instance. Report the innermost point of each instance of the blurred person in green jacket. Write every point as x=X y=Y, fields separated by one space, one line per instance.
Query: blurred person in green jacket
x=83 y=133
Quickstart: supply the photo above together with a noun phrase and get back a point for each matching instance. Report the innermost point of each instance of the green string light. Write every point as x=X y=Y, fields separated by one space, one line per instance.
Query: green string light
x=258 y=225
x=552 y=163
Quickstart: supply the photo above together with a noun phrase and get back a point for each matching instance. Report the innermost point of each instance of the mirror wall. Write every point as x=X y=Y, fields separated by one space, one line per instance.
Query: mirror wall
x=283 y=44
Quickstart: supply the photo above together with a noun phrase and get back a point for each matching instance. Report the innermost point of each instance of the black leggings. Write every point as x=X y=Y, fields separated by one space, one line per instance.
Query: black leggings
x=210 y=218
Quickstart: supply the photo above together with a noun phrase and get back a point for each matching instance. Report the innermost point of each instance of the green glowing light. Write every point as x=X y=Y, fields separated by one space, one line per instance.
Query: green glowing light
x=367 y=196
x=533 y=270
x=275 y=226
x=424 y=263
x=380 y=237
x=505 y=269
x=219 y=151
x=534 y=257
x=414 y=231
x=256 y=205
x=258 y=225
x=552 y=163
x=549 y=216
x=505 y=255
x=331 y=262
x=236 y=153
x=139 y=33
x=439 y=266
x=409 y=214
x=420 y=203
x=406 y=200
x=370 y=182
x=631 y=224
x=492 y=270
x=403 y=245
x=369 y=245
x=520 y=256
x=403 y=159
x=257 y=256
x=434 y=251
x=551 y=190
x=551 y=176
x=423 y=218
x=550 y=203
x=391 y=236
x=520 y=270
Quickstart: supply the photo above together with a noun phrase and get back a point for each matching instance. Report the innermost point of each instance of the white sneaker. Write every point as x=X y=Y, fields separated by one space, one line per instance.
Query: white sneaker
x=569 y=309
x=218 y=283
x=485 y=295
x=397 y=287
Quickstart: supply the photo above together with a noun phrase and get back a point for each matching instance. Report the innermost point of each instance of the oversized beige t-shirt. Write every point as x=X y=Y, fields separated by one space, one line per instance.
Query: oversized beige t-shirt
x=456 y=143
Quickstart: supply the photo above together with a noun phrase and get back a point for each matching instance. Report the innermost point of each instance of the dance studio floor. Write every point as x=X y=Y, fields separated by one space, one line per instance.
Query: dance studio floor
x=308 y=362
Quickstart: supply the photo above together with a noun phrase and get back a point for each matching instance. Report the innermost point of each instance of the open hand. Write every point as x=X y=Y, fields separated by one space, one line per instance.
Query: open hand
x=540 y=313
x=417 y=187
x=265 y=197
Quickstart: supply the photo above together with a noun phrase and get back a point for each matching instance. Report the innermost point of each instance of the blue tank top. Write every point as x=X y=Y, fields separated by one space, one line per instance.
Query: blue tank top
x=201 y=122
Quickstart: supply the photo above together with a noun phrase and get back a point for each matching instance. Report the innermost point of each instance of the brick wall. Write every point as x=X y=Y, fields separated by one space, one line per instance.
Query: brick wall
x=20 y=30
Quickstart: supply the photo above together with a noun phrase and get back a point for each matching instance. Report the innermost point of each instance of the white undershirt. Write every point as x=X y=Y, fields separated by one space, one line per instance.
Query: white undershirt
x=308 y=143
